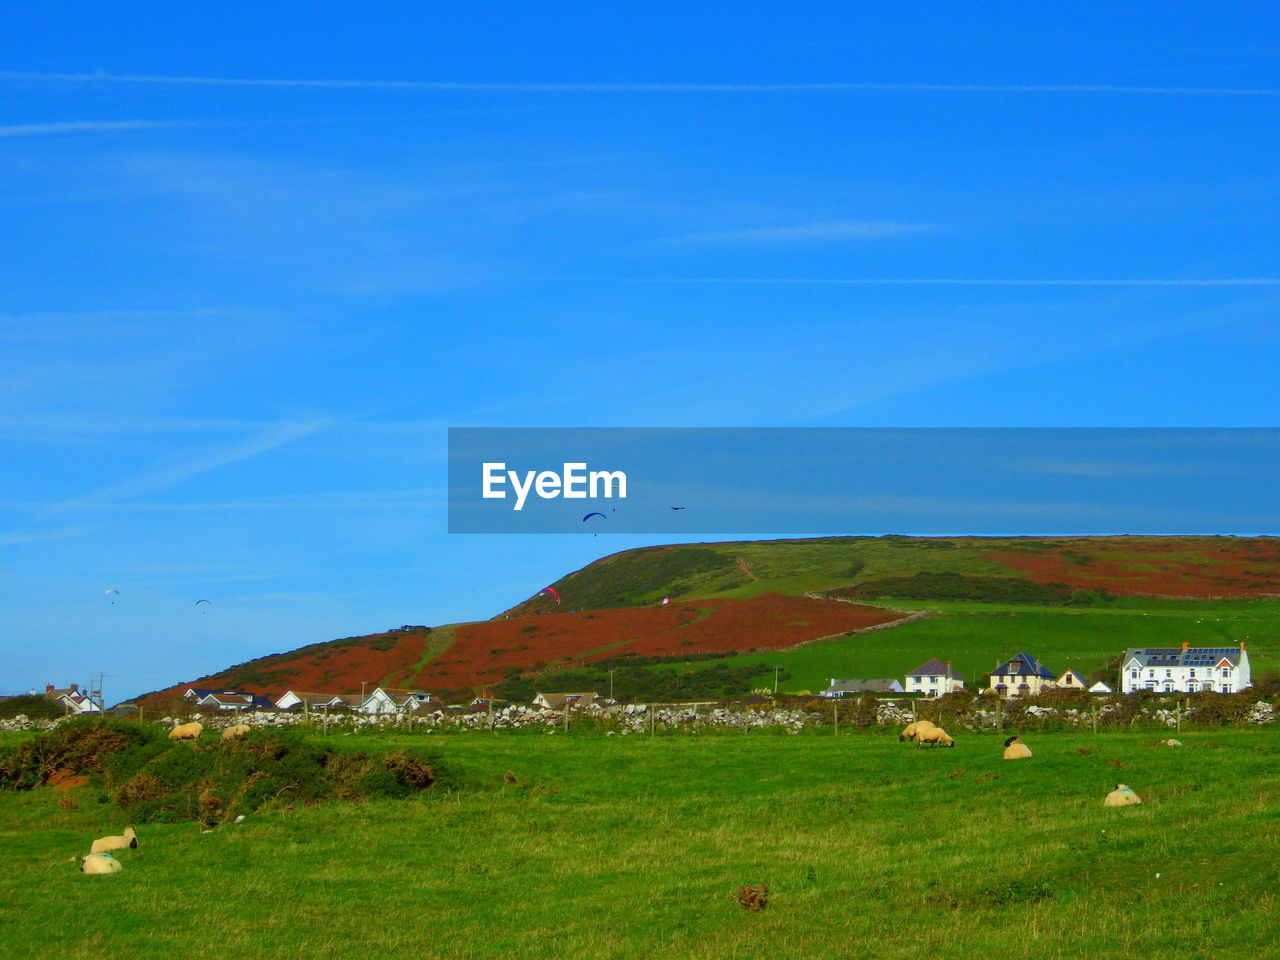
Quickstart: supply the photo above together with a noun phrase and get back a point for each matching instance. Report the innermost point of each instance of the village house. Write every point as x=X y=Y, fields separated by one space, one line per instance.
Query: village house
x=1021 y=676
x=1186 y=670
x=1100 y=687
x=297 y=700
x=933 y=678
x=1070 y=680
x=71 y=699
x=232 y=700
x=852 y=688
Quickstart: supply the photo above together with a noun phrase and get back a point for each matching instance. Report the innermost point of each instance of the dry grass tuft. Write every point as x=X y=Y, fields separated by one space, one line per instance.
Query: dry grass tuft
x=752 y=898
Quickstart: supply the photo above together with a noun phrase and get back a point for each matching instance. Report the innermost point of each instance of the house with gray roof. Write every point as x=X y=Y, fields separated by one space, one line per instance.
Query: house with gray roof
x=1185 y=670
x=854 y=688
x=933 y=678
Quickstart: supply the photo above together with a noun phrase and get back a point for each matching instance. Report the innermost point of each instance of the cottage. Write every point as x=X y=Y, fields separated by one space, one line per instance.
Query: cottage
x=934 y=678
x=1070 y=680
x=1186 y=670
x=306 y=702
x=1100 y=688
x=71 y=699
x=853 y=688
x=233 y=700
x=1021 y=676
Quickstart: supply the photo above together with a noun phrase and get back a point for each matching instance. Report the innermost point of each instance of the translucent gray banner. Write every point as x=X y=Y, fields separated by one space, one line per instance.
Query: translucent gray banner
x=690 y=481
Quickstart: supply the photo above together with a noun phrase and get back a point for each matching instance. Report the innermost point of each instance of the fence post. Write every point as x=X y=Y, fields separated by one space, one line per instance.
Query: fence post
x=835 y=721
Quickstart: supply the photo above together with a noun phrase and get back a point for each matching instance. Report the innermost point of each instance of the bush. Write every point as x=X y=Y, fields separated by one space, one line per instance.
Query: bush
x=31 y=705
x=154 y=779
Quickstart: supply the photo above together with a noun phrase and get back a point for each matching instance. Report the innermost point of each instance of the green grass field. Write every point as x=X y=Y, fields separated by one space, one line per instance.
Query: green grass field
x=631 y=847
x=978 y=636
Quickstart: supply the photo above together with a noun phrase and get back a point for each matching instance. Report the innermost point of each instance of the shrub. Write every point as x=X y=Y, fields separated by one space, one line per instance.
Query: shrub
x=32 y=705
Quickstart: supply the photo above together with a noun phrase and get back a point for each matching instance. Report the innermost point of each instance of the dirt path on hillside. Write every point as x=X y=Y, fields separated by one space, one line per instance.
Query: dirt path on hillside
x=746 y=568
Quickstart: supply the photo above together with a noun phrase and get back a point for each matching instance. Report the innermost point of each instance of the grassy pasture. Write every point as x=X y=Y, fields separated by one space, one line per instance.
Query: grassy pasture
x=630 y=847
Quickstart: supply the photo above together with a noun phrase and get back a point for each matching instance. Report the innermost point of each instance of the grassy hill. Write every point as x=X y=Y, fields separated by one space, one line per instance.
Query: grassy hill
x=806 y=606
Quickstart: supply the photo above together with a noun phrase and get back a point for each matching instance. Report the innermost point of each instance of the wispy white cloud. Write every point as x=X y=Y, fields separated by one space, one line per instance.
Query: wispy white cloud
x=823 y=232
x=164 y=477
x=870 y=86
x=84 y=126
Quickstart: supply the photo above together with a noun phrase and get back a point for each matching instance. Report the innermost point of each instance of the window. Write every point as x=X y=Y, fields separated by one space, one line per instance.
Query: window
x=1193 y=673
x=1133 y=674
x=1226 y=672
x=1151 y=673
x=933 y=679
x=1168 y=673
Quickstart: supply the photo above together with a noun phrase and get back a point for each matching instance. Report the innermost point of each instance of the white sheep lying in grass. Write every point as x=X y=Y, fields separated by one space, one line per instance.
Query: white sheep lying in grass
x=935 y=737
x=1121 y=796
x=187 y=731
x=100 y=863
x=127 y=840
x=235 y=732
x=914 y=729
x=1015 y=749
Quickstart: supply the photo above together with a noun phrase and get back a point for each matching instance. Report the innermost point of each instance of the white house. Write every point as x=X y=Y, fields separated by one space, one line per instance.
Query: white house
x=1188 y=670
x=934 y=678
x=73 y=701
x=1100 y=687
x=852 y=688
x=315 y=701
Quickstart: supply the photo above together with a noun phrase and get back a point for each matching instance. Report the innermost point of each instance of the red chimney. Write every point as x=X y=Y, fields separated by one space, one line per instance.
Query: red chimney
x=49 y=688
x=1185 y=645
x=73 y=688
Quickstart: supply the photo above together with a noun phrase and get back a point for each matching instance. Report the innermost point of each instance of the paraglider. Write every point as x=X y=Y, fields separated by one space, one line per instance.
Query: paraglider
x=206 y=606
x=677 y=508
x=552 y=591
x=112 y=592
x=590 y=515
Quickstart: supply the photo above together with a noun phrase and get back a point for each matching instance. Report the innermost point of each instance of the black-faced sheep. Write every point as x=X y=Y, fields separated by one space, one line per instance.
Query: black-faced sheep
x=914 y=729
x=935 y=737
x=1015 y=749
x=127 y=840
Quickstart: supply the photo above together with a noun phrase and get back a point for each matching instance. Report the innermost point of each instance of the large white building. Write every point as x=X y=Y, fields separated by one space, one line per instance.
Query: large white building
x=934 y=678
x=1186 y=670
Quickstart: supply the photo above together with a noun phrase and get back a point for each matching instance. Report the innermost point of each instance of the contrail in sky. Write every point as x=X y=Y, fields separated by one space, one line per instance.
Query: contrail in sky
x=465 y=86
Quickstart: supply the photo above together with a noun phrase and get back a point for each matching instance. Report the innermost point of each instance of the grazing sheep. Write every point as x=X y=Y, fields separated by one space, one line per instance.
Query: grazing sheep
x=100 y=863
x=187 y=731
x=235 y=732
x=1015 y=749
x=1121 y=796
x=914 y=729
x=127 y=840
x=936 y=737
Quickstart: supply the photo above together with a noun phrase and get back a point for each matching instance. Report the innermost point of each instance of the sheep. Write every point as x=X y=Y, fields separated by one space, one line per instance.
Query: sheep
x=1170 y=743
x=936 y=737
x=187 y=731
x=1121 y=796
x=127 y=840
x=1015 y=749
x=914 y=729
x=235 y=732
x=100 y=863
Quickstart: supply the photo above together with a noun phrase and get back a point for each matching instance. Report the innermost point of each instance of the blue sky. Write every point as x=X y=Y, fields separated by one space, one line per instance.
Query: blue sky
x=257 y=258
